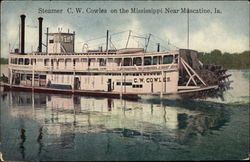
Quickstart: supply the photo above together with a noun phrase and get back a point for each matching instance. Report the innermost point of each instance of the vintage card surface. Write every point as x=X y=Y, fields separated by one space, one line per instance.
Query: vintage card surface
x=124 y=80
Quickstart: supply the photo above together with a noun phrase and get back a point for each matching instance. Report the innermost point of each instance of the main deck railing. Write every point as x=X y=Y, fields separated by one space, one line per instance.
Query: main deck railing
x=93 y=68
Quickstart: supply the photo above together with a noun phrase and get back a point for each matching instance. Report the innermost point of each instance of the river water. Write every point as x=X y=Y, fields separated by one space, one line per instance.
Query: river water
x=63 y=127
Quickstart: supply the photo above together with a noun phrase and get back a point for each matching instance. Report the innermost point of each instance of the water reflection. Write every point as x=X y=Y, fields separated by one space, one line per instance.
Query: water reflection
x=23 y=138
x=163 y=122
x=39 y=140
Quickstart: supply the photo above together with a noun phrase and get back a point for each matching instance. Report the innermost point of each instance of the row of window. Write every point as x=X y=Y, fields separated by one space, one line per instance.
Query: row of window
x=138 y=61
x=22 y=61
x=167 y=59
x=124 y=83
x=65 y=39
x=67 y=79
x=29 y=76
x=129 y=84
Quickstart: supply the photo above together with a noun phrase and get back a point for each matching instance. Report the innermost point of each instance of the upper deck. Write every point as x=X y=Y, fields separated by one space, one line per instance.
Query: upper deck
x=113 y=60
x=60 y=56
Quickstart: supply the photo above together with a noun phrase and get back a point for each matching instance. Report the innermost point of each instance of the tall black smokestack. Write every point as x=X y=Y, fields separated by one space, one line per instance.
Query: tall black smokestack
x=40 y=19
x=22 y=33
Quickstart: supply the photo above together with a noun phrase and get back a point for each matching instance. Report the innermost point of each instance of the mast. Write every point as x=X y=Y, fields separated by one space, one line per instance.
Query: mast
x=188 y=28
x=158 y=47
x=147 y=42
x=110 y=42
x=19 y=43
x=107 y=41
x=47 y=39
x=74 y=41
x=128 y=38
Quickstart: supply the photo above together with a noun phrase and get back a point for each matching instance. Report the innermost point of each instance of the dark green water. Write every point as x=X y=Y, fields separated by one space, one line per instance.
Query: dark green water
x=58 y=127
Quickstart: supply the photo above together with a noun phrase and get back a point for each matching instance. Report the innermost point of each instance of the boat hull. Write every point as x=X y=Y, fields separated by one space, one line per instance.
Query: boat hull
x=193 y=93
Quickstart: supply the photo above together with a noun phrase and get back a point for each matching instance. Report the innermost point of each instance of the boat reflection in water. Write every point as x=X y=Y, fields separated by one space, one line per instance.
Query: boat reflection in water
x=63 y=118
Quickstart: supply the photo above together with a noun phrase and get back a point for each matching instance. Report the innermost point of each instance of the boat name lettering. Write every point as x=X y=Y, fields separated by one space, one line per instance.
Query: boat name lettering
x=149 y=80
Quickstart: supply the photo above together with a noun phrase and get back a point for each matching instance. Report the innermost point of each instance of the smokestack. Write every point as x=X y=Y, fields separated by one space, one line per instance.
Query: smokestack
x=158 y=47
x=22 y=33
x=40 y=19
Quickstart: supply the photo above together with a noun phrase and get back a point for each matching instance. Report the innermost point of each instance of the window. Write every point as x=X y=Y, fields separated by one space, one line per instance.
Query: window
x=137 y=61
x=67 y=39
x=20 y=61
x=83 y=60
x=147 y=60
x=46 y=62
x=29 y=76
x=15 y=61
x=167 y=59
x=68 y=62
x=51 y=41
x=156 y=60
x=127 y=83
x=110 y=60
x=42 y=76
x=52 y=62
x=124 y=83
x=102 y=62
x=118 y=61
x=26 y=61
x=12 y=61
x=22 y=77
x=91 y=60
x=127 y=62
x=137 y=86
x=36 y=76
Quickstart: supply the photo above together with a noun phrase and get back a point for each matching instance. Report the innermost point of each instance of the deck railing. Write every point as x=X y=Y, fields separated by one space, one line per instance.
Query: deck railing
x=94 y=68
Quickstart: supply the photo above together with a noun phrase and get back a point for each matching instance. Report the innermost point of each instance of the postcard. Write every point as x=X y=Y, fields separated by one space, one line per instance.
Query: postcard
x=124 y=80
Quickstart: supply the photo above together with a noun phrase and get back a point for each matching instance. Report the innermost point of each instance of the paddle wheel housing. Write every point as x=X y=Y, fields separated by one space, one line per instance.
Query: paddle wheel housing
x=192 y=72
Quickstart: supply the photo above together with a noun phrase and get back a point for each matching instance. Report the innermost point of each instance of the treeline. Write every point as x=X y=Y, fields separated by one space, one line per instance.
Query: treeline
x=3 y=61
x=227 y=60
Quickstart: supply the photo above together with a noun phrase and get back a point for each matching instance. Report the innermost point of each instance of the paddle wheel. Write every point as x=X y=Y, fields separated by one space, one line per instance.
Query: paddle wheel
x=193 y=74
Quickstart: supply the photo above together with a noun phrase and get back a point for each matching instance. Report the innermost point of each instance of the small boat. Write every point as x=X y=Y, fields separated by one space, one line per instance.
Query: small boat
x=120 y=73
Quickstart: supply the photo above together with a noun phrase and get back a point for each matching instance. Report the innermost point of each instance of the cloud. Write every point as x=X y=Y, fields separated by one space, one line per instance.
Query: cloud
x=226 y=32
x=118 y=33
x=11 y=36
x=217 y=35
x=134 y=25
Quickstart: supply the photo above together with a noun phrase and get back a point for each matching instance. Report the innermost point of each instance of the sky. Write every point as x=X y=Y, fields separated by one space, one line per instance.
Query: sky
x=227 y=31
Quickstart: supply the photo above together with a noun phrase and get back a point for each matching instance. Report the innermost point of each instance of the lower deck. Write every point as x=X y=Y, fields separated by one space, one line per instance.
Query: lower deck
x=123 y=82
x=196 y=92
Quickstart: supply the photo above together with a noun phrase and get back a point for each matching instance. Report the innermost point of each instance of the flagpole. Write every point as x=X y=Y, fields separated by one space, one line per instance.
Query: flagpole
x=188 y=28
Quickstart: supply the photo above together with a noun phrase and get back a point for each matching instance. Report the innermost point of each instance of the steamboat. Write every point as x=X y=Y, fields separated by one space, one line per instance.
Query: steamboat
x=120 y=73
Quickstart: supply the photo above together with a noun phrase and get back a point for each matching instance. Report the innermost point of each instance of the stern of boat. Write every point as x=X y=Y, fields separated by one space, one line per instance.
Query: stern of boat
x=195 y=76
